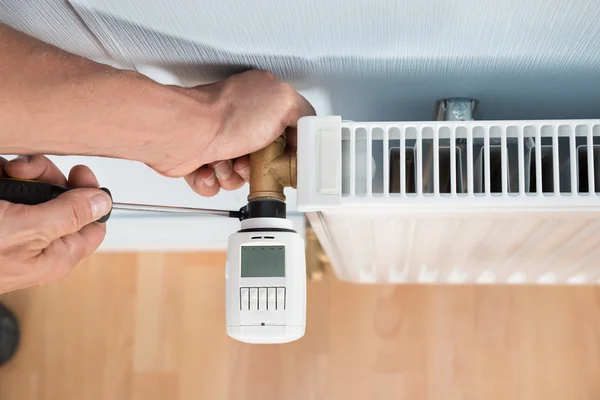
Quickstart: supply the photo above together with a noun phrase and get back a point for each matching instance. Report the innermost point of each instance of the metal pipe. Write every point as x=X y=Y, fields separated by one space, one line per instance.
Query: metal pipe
x=455 y=109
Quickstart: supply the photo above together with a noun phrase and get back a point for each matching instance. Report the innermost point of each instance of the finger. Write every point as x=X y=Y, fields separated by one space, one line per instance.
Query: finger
x=223 y=169
x=69 y=212
x=65 y=253
x=226 y=177
x=3 y=161
x=232 y=183
x=203 y=181
x=82 y=177
x=291 y=142
x=241 y=166
x=35 y=168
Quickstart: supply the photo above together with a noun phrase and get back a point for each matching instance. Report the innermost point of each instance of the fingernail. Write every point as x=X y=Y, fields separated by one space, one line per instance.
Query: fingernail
x=100 y=205
x=211 y=180
x=223 y=169
x=21 y=159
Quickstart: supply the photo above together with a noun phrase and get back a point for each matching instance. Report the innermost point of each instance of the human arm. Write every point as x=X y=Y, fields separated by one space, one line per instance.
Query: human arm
x=53 y=102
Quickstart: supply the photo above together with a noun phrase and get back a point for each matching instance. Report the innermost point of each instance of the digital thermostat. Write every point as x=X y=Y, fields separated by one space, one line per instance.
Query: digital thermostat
x=265 y=279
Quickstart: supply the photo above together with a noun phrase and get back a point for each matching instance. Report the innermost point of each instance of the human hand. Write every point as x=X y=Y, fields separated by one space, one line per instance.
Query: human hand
x=247 y=111
x=42 y=243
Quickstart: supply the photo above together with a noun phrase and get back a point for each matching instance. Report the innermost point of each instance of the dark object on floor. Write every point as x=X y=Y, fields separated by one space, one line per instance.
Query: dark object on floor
x=9 y=335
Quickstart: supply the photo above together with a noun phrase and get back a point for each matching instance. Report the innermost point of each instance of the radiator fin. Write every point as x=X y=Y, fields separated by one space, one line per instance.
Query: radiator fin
x=383 y=160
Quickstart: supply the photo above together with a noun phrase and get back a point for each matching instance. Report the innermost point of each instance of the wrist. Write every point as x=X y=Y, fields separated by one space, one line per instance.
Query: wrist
x=179 y=124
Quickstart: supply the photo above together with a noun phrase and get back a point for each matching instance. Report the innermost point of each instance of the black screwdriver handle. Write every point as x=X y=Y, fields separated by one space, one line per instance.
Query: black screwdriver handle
x=32 y=193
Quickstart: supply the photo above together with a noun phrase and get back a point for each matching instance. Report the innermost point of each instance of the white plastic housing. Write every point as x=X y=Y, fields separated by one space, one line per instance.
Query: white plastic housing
x=454 y=202
x=266 y=309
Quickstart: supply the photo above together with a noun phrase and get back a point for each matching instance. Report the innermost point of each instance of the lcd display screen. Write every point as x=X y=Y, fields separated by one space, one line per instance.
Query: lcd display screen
x=263 y=261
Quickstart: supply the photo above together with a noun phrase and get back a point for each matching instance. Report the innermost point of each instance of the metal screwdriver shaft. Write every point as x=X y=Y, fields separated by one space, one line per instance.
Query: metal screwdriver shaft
x=190 y=211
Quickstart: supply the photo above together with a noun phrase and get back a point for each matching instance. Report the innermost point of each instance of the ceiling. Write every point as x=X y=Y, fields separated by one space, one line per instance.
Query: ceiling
x=372 y=60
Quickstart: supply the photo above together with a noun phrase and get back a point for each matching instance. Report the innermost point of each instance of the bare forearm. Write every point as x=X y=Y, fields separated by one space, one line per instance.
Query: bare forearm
x=53 y=102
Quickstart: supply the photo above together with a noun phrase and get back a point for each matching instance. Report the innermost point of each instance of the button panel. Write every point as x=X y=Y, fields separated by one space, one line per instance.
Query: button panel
x=271 y=298
x=280 y=305
x=262 y=298
x=253 y=299
x=244 y=298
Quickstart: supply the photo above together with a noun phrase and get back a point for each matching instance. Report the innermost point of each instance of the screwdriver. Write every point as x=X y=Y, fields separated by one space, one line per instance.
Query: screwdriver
x=34 y=192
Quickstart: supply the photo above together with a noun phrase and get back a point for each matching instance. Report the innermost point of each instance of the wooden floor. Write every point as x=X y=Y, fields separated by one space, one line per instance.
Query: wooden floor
x=151 y=326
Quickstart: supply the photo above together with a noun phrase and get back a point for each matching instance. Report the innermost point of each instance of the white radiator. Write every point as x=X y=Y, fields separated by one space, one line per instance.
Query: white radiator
x=454 y=202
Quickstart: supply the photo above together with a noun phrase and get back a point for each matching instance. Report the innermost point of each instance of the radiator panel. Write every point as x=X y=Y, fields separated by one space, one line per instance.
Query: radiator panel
x=454 y=202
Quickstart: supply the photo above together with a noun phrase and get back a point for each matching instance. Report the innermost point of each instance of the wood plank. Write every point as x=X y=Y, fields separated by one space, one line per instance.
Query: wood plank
x=151 y=326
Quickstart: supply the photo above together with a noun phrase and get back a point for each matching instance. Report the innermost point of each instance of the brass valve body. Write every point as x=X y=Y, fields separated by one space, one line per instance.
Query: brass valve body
x=271 y=170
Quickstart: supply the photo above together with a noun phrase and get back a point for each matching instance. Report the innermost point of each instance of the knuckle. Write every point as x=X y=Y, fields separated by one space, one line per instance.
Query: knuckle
x=242 y=169
x=267 y=74
x=80 y=213
x=288 y=89
x=206 y=191
x=36 y=239
x=289 y=99
x=197 y=186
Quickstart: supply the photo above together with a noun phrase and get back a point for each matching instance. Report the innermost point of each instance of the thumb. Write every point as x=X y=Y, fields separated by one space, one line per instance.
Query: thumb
x=72 y=210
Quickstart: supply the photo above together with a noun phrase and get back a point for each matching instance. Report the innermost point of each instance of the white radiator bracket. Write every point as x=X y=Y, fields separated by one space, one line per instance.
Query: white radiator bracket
x=319 y=165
